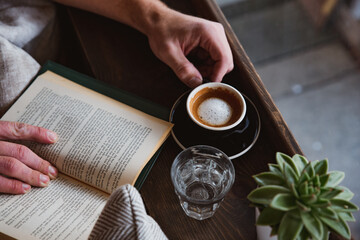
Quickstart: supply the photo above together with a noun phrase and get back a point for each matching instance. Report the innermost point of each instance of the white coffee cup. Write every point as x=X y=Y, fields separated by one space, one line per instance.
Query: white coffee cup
x=216 y=106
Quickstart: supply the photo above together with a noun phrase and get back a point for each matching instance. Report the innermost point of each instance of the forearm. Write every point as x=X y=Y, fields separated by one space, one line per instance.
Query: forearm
x=142 y=15
x=172 y=36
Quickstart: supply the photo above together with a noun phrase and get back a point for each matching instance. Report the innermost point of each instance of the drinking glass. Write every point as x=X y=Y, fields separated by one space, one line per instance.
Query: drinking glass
x=202 y=175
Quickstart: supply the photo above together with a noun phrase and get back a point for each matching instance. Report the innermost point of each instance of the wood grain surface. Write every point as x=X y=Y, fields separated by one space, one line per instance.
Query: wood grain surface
x=121 y=57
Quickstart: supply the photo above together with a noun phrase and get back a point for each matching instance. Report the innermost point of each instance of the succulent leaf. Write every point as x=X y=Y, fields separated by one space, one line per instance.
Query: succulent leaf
x=339 y=226
x=290 y=175
x=346 y=216
x=309 y=199
x=304 y=235
x=317 y=181
x=301 y=200
x=330 y=193
x=341 y=205
x=304 y=177
x=324 y=179
x=302 y=207
x=326 y=233
x=265 y=194
x=326 y=212
x=346 y=194
x=290 y=227
x=321 y=167
x=283 y=159
x=300 y=162
x=311 y=189
x=269 y=178
x=280 y=161
x=274 y=230
x=283 y=202
x=294 y=191
x=309 y=169
x=321 y=203
x=304 y=188
x=270 y=216
x=335 y=178
x=313 y=225
x=274 y=168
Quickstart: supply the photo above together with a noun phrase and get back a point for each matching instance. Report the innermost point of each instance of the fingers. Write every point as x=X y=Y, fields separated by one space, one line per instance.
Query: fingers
x=183 y=68
x=217 y=46
x=219 y=70
x=19 y=163
x=13 y=168
x=16 y=131
x=27 y=157
x=13 y=186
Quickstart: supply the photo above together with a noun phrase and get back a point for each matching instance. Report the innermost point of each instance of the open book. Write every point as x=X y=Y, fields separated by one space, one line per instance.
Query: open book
x=103 y=143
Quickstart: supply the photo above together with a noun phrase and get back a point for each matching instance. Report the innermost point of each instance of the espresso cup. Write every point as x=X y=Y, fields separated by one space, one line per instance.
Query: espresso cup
x=216 y=106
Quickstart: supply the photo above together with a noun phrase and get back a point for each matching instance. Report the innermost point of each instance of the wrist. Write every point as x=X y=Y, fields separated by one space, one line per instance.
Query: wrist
x=144 y=15
x=154 y=18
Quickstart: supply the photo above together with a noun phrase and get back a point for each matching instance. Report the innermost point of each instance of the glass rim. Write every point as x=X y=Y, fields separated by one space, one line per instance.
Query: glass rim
x=217 y=198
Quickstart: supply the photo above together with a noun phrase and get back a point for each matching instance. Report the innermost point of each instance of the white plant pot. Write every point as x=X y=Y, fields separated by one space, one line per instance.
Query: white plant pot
x=263 y=232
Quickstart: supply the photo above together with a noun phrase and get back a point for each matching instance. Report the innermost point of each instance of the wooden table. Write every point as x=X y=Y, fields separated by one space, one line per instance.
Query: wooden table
x=120 y=56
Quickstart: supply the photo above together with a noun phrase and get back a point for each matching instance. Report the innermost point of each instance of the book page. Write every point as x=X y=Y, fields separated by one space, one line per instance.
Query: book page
x=102 y=142
x=67 y=209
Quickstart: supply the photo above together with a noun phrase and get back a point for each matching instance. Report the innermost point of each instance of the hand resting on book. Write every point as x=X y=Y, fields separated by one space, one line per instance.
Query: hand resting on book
x=19 y=166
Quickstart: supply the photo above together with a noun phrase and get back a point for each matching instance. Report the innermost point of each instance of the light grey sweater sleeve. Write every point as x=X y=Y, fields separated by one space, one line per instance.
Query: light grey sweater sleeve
x=26 y=35
x=125 y=217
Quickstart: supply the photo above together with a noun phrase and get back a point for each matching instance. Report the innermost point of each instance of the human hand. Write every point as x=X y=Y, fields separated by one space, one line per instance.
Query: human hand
x=177 y=36
x=173 y=36
x=19 y=166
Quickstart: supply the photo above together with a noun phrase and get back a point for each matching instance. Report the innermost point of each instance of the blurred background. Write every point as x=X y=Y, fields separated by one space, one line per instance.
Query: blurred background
x=307 y=53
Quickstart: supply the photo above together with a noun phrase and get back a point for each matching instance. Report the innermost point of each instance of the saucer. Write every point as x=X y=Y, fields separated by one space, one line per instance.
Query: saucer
x=233 y=142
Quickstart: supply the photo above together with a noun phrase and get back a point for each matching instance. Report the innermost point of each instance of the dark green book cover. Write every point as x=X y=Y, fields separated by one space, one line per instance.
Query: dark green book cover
x=117 y=94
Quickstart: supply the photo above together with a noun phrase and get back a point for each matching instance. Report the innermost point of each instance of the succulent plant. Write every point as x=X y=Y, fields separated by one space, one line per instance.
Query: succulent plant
x=300 y=199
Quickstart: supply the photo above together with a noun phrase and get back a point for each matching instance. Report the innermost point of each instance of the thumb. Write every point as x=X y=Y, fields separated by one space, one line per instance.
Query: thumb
x=182 y=67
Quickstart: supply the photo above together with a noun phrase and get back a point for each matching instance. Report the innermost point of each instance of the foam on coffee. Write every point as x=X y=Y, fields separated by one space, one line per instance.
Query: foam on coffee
x=214 y=111
x=216 y=107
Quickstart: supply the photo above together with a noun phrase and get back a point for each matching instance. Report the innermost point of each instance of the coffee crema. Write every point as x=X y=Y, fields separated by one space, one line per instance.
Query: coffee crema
x=216 y=107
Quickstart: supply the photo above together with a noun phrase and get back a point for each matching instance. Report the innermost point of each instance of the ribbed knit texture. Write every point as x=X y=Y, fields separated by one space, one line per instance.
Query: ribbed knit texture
x=125 y=217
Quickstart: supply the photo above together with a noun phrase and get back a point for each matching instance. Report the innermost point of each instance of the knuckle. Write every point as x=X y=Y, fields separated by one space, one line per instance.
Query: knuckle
x=183 y=69
x=206 y=28
x=43 y=166
x=8 y=165
x=14 y=187
x=18 y=129
x=216 y=27
x=168 y=47
x=33 y=177
x=164 y=50
x=228 y=61
x=219 y=26
x=38 y=131
x=22 y=152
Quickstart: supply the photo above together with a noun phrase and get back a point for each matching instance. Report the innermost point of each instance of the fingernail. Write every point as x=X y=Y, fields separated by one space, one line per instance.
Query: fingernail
x=52 y=172
x=26 y=187
x=52 y=136
x=194 y=82
x=44 y=180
